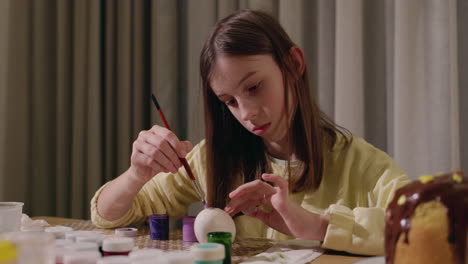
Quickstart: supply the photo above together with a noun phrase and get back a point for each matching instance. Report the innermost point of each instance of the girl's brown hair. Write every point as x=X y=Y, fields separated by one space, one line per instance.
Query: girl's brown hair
x=231 y=150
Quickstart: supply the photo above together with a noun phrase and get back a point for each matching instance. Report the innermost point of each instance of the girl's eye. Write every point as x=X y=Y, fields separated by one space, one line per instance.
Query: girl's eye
x=230 y=102
x=254 y=88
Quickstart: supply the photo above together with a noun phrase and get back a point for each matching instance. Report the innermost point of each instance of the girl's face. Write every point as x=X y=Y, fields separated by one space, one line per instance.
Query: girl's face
x=252 y=88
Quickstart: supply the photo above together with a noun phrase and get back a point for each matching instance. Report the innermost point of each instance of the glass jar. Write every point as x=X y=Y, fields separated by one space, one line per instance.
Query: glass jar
x=224 y=238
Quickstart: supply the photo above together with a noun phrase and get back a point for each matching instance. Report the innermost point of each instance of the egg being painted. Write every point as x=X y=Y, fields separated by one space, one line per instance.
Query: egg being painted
x=213 y=220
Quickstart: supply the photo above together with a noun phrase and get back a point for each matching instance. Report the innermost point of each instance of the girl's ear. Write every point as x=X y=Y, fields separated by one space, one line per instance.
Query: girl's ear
x=297 y=56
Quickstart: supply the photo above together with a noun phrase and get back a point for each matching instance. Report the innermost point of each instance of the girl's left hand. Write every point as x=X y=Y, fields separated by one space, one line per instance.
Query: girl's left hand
x=286 y=216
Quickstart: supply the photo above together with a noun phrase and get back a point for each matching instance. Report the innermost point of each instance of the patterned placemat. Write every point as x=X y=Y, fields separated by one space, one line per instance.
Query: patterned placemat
x=241 y=248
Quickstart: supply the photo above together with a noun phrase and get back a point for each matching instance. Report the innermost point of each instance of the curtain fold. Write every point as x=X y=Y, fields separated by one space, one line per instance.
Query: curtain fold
x=77 y=78
x=462 y=41
x=17 y=158
x=4 y=47
x=424 y=88
x=375 y=65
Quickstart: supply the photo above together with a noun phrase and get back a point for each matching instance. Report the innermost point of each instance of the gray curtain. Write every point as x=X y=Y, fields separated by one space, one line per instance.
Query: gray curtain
x=76 y=76
x=4 y=32
x=462 y=43
x=77 y=83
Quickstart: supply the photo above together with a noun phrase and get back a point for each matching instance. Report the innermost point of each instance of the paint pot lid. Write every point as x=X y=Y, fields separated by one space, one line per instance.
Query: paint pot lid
x=146 y=253
x=114 y=260
x=118 y=244
x=208 y=251
x=179 y=257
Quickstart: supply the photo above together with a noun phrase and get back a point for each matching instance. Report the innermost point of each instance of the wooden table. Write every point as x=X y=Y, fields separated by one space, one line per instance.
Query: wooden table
x=328 y=258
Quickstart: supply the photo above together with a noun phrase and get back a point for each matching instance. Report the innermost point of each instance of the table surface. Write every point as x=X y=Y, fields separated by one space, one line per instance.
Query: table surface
x=328 y=257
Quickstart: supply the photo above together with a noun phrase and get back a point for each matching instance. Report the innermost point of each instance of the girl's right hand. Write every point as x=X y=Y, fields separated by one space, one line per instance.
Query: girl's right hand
x=156 y=150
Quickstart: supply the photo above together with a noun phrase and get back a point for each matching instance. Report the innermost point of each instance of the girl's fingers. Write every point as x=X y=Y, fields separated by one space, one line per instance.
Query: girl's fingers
x=161 y=147
x=141 y=159
x=261 y=215
x=157 y=156
x=170 y=154
x=277 y=180
x=188 y=146
x=243 y=204
x=171 y=139
x=256 y=186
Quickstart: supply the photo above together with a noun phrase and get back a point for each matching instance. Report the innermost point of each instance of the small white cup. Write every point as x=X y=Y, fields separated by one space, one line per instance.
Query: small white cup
x=33 y=247
x=10 y=216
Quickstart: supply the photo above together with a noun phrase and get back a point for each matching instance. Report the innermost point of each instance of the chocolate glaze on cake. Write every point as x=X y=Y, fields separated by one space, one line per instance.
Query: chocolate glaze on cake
x=450 y=189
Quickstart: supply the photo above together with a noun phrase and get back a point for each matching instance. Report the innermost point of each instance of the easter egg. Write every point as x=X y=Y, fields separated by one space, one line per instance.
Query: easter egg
x=213 y=220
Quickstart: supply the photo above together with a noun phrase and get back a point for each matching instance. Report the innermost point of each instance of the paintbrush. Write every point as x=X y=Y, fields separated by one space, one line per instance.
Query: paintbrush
x=183 y=160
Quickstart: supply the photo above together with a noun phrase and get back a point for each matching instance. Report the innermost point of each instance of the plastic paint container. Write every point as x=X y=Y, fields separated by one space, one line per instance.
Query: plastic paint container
x=58 y=231
x=225 y=239
x=60 y=243
x=159 y=227
x=146 y=254
x=60 y=250
x=188 y=233
x=33 y=247
x=93 y=238
x=32 y=229
x=208 y=253
x=126 y=232
x=73 y=234
x=178 y=257
x=82 y=246
x=114 y=246
x=10 y=216
x=87 y=257
x=115 y=260
x=8 y=252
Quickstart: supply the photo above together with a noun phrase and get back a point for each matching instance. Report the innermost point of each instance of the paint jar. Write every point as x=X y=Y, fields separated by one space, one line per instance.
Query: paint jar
x=126 y=232
x=10 y=216
x=208 y=253
x=224 y=238
x=86 y=257
x=188 y=233
x=115 y=260
x=114 y=246
x=178 y=257
x=90 y=238
x=146 y=254
x=58 y=231
x=73 y=234
x=32 y=229
x=33 y=247
x=159 y=227
x=60 y=250
x=8 y=252
x=82 y=246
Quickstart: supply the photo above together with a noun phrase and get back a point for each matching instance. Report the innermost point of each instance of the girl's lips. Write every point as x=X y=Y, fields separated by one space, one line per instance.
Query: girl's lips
x=261 y=129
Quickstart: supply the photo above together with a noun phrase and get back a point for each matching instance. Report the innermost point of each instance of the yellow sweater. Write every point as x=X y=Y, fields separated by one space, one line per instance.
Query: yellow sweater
x=358 y=183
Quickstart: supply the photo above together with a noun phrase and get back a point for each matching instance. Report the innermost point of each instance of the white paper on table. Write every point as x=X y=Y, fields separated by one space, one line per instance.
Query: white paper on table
x=28 y=222
x=289 y=251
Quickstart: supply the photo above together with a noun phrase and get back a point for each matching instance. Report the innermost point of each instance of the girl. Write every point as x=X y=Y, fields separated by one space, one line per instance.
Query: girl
x=269 y=152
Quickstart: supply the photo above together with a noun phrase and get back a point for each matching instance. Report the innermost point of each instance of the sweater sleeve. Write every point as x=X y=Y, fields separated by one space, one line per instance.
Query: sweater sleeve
x=360 y=228
x=165 y=193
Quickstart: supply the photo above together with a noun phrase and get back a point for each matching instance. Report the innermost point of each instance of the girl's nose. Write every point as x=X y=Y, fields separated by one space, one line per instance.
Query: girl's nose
x=248 y=111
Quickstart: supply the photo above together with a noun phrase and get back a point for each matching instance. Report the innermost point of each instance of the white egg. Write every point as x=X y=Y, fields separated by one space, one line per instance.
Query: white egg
x=213 y=220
